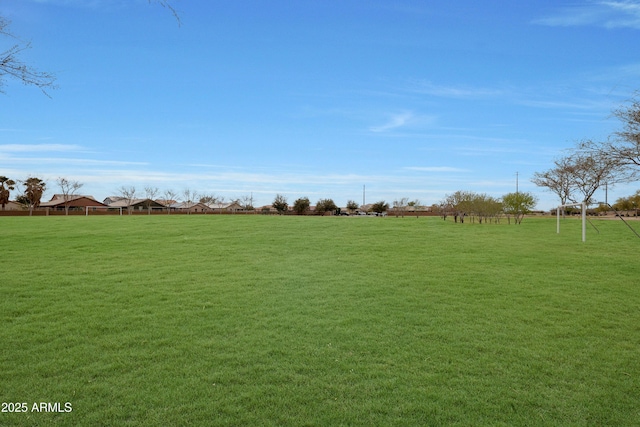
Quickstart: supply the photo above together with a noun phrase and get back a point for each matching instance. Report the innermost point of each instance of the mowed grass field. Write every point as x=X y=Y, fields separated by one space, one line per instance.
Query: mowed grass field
x=320 y=321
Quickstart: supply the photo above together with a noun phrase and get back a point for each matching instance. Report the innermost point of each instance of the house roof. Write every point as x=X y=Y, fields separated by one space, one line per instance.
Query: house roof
x=123 y=203
x=71 y=201
x=229 y=205
x=189 y=205
x=70 y=197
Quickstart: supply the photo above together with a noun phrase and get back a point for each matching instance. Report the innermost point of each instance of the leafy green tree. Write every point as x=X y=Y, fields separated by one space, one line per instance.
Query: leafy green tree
x=301 y=205
x=483 y=206
x=280 y=204
x=6 y=186
x=628 y=203
x=380 y=207
x=458 y=204
x=325 y=205
x=352 y=206
x=518 y=204
x=33 y=190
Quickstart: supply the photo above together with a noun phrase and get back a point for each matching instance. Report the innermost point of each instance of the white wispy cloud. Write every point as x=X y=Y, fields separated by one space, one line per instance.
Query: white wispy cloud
x=38 y=148
x=607 y=14
x=444 y=169
x=404 y=120
x=72 y=3
x=395 y=121
x=76 y=162
x=427 y=87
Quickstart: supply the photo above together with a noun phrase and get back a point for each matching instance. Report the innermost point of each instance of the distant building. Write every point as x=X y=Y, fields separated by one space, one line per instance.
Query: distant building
x=139 y=205
x=13 y=206
x=76 y=202
x=191 y=207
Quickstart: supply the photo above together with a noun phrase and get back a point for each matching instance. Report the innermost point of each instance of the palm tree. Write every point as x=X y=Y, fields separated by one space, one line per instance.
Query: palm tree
x=34 y=188
x=6 y=185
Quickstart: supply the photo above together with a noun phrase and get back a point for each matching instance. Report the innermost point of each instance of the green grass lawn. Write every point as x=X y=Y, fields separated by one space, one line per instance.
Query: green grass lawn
x=323 y=321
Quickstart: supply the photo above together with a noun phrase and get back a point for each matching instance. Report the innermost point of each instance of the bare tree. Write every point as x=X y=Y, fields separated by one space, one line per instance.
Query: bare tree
x=415 y=204
x=209 y=200
x=558 y=179
x=169 y=199
x=219 y=201
x=189 y=198
x=150 y=193
x=12 y=65
x=623 y=147
x=588 y=172
x=128 y=195
x=69 y=190
x=400 y=206
x=247 y=202
x=167 y=4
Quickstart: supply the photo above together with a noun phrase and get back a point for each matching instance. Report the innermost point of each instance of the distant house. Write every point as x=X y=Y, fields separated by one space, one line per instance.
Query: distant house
x=166 y=202
x=234 y=206
x=268 y=209
x=191 y=207
x=59 y=202
x=134 y=205
x=112 y=199
x=14 y=206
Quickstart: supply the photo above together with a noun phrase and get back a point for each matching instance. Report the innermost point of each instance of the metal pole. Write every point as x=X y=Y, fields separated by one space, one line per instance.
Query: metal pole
x=584 y=222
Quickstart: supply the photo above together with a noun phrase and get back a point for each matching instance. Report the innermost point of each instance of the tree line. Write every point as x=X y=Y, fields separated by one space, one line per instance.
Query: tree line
x=485 y=208
x=460 y=205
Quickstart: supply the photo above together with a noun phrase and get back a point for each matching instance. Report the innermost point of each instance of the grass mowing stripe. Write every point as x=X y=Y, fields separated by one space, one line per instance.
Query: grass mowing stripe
x=233 y=320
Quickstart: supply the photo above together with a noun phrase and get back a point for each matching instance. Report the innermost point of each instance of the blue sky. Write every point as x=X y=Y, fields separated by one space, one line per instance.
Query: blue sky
x=315 y=98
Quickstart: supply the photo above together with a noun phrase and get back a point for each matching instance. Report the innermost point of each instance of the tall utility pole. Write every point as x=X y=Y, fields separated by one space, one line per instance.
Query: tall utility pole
x=516 y=183
x=363 y=196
